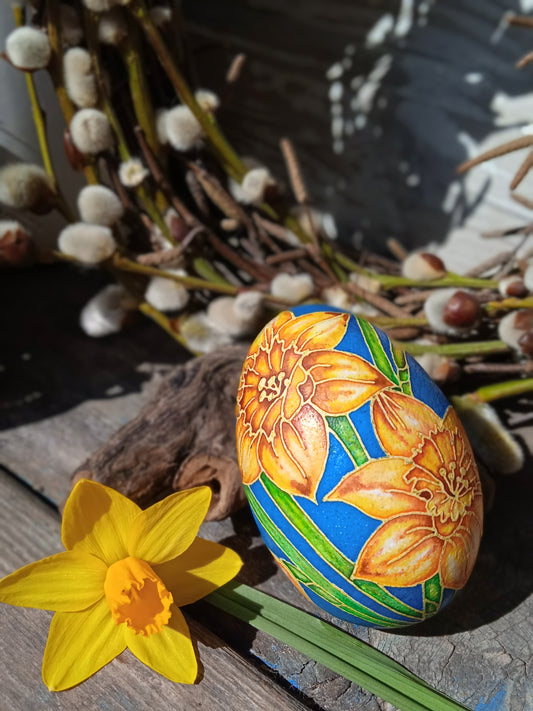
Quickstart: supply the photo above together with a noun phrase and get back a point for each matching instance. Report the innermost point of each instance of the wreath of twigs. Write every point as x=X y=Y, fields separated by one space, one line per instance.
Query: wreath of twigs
x=209 y=245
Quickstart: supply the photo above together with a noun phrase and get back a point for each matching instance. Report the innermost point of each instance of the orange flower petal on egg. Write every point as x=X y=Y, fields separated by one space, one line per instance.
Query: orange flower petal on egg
x=456 y=561
x=247 y=453
x=379 y=489
x=319 y=329
x=400 y=422
x=343 y=382
x=297 y=453
x=402 y=552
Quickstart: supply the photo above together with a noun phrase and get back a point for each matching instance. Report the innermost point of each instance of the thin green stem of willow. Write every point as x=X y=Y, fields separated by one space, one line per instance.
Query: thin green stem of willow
x=228 y=158
x=55 y=69
x=139 y=90
x=498 y=391
x=163 y=321
x=454 y=350
x=218 y=141
x=508 y=304
x=187 y=281
x=389 y=281
x=40 y=129
x=91 y=26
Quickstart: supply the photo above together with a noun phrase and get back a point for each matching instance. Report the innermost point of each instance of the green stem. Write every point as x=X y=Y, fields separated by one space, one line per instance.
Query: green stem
x=297 y=517
x=139 y=89
x=510 y=303
x=390 y=281
x=454 y=350
x=217 y=140
x=432 y=595
x=163 y=321
x=330 y=646
x=403 y=369
x=343 y=428
x=187 y=281
x=376 y=349
x=498 y=391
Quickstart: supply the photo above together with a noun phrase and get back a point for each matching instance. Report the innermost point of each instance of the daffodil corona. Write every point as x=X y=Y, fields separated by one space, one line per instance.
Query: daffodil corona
x=120 y=583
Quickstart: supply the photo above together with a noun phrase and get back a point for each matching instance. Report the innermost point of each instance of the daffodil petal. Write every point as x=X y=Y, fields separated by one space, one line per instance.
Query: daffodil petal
x=204 y=567
x=79 y=644
x=97 y=519
x=169 y=652
x=403 y=551
x=68 y=581
x=401 y=421
x=378 y=488
x=167 y=529
x=343 y=381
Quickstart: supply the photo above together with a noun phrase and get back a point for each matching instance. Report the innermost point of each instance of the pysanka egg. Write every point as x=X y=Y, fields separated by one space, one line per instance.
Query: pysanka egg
x=358 y=471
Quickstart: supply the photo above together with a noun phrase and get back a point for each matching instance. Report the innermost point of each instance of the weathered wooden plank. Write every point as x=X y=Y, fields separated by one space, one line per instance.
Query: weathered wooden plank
x=477 y=651
x=30 y=530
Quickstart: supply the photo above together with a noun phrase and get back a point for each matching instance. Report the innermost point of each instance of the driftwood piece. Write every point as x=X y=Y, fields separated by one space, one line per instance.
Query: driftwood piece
x=183 y=437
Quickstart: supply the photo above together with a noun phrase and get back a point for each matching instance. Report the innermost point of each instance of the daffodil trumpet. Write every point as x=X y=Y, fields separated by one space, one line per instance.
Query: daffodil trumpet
x=121 y=582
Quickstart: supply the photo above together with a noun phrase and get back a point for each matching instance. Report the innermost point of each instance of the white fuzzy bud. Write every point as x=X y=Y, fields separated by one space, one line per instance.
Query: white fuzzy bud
x=160 y=15
x=71 y=29
x=292 y=288
x=89 y=244
x=337 y=297
x=514 y=286
x=435 y=365
x=363 y=281
x=132 y=172
x=90 y=131
x=313 y=220
x=28 y=48
x=236 y=316
x=423 y=266
x=112 y=27
x=489 y=438
x=200 y=335
x=161 y=126
x=516 y=329
x=207 y=99
x=446 y=320
x=16 y=246
x=99 y=205
x=253 y=186
x=104 y=314
x=24 y=186
x=98 y=5
x=165 y=294
x=80 y=81
x=182 y=128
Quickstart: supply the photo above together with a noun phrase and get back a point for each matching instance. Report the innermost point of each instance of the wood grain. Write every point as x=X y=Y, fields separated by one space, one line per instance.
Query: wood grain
x=30 y=530
x=479 y=650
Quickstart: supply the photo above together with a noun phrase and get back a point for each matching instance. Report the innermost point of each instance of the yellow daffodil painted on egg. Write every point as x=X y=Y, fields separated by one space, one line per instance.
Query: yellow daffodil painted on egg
x=120 y=583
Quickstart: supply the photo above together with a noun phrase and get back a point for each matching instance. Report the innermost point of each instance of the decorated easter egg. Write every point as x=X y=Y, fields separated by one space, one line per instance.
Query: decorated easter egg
x=357 y=470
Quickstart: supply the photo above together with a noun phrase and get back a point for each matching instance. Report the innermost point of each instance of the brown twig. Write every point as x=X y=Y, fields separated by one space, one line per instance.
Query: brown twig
x=499 y=368
x=509 y=147
x=522 y=171
x=525 y=60
x=289 y=255
x=294 y=172
x=496 y=261
x=396 y=247
x=235 y=68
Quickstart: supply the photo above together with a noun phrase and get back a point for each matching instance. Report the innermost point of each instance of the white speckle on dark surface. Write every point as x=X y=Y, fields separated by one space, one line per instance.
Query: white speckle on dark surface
x=474 y=78
x=377 y=34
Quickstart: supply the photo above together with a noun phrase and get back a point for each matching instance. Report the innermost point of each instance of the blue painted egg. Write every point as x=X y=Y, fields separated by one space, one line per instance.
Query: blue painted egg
x=358 y=471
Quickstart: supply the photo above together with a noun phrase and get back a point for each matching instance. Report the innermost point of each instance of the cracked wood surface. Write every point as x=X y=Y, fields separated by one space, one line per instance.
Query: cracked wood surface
x=63 y=397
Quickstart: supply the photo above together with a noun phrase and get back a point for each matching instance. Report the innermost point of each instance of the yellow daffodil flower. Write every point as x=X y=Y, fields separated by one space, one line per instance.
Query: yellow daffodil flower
x=120 y=583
